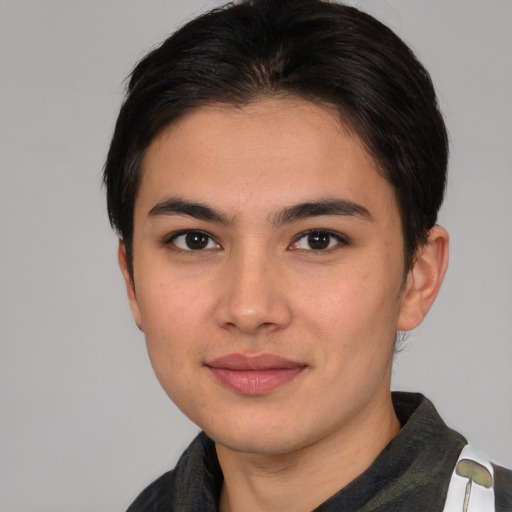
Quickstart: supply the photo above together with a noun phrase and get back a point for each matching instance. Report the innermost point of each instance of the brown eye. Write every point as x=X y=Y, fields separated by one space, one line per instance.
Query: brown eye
x=319 y=241
x=194 y=241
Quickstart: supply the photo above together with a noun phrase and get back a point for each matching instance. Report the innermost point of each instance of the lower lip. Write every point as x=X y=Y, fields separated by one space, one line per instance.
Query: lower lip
x=255 y=382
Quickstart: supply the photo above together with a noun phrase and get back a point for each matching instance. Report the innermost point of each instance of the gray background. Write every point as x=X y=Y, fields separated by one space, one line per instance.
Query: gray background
x=84 y=425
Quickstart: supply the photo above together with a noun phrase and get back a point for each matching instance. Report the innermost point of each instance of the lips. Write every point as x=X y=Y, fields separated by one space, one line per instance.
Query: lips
x=254 y=375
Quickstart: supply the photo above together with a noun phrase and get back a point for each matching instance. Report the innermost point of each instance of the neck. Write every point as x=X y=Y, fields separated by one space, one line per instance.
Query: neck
x=302 y=480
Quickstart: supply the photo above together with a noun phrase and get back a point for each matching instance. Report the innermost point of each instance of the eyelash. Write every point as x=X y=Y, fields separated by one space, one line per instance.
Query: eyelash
x=171 y=240
x=341 y=240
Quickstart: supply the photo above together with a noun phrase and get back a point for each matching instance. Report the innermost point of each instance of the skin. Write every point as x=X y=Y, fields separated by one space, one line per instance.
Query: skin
x=258 y=287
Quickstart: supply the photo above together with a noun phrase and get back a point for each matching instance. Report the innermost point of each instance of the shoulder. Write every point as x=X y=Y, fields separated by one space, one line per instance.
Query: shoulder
x=478 y=484
x=194 y=484
x=503 y=488
x=157 y=495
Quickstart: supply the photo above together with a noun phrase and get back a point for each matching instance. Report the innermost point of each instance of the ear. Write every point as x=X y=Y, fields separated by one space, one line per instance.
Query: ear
x=130 y=285
x=424 y=279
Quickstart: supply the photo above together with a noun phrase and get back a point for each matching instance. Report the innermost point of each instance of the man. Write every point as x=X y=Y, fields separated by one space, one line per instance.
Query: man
x=275 y=177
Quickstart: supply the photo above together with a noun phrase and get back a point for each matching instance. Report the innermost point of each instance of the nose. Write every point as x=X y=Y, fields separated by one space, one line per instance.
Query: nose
x=254 y=296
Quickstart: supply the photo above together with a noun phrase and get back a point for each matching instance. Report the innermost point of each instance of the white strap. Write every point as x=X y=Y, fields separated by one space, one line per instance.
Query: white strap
x=471 y=485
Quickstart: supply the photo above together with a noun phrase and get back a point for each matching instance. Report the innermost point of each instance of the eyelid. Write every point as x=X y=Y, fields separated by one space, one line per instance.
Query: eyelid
x=169 y=240
x=342 y=240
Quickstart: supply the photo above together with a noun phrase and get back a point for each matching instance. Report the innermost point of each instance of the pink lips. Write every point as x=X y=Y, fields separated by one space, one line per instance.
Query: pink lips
x=254 y=375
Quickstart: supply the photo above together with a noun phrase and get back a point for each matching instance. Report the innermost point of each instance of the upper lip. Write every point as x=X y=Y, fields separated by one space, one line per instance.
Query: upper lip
x=243 y=362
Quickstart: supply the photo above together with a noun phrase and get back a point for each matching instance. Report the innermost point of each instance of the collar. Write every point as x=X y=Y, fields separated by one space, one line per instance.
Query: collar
x=412 y=471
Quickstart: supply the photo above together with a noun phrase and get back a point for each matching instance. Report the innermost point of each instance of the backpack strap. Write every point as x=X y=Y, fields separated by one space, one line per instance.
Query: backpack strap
x=471 y=487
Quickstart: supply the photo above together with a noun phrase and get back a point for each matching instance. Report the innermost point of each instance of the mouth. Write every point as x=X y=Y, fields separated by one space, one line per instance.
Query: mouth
x=254 y=375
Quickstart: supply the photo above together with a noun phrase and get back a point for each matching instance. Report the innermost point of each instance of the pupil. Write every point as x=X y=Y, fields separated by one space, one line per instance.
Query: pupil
x=196 y=241
x=319 y=241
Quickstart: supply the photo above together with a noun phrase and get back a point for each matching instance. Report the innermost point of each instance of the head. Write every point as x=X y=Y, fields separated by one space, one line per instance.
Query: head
x=275 y=176
x=323 y=52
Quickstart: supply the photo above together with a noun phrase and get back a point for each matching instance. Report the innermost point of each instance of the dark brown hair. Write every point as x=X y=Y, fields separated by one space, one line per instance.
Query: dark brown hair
x=314 y=49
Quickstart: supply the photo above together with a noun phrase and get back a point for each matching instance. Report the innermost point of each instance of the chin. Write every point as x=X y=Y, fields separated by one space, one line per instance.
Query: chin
x=258 y=439
x=259 y=446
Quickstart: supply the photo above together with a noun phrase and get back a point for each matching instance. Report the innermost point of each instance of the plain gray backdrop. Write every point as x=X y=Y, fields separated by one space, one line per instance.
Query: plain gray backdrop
x=84 y=425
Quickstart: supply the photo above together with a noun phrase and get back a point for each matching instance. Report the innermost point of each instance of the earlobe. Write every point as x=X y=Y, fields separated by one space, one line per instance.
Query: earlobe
x=424 y=279
x=130 y=285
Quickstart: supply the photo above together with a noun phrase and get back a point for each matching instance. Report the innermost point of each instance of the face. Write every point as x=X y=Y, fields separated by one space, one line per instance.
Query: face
x=268 y=274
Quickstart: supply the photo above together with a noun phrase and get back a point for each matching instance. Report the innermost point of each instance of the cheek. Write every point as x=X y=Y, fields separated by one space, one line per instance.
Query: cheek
x=168 y=300
x=351 y=297
x=172 y=317
x=356 y=306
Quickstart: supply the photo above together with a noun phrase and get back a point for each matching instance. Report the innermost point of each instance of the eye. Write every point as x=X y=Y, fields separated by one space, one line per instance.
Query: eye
x=193 y=241
x=319 y=240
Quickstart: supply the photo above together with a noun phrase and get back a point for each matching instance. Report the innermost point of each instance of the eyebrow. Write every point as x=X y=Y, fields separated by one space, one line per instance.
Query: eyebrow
x=177 y=206
x=340 y=207
x=201 y=211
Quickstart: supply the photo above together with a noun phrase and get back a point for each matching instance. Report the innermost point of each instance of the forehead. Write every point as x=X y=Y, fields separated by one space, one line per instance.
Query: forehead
x=267 y=154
